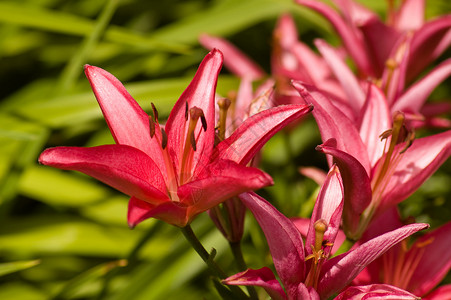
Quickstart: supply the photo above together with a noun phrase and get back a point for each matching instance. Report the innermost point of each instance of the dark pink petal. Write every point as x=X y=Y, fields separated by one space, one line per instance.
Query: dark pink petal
x=357 y=186
x=128 y=123
x=417 y=164
x=375 y=292
x=263 y=277
x=328 y=207
x=379 y=49
x=333 y=123
x=125 y=168
x=201 y=94
x=375 y=119
x=428 y=43
x=349 y=82
x=442 y=292
x=435 y=262
x=236 y=61
x=410 y=15
x=218 y=182
x=284 y=240
x=353 y=43
x=340 y=270
x=414 y=98
x=169 y=212
x=256 y=130
x=307 y=293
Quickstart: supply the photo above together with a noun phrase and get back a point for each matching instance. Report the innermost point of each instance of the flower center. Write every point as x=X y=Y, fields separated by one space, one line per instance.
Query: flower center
x=400 y=264
x=387 y=165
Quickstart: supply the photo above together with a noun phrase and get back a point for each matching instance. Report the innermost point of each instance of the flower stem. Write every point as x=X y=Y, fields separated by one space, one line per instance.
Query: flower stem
x=239 y=259
x=208 y=259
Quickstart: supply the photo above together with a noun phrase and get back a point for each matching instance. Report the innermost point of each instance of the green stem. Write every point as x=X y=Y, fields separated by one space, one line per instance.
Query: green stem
x=208 y=259
x=239 y=259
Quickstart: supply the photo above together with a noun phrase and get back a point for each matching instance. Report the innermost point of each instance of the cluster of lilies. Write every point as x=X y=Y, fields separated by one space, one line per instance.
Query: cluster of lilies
x=202 y=157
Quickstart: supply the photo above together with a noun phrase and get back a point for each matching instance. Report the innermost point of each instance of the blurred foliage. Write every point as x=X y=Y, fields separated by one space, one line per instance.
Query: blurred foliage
x=64 y=235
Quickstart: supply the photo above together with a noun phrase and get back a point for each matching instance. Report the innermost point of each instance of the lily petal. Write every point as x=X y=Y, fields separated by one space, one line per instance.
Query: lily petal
x=201 y=94
x=349 y=82
x=236 y=61
x=256 y=130
x=263 y=277
x=307 y=293
x=375 y=292
x=414 y=98
x=328 y=207
x=333 y=123
x=417 y=164
x=429 y=271
x=376 y=119
x=357 y=196
x=170 y=212
x=220 y=181
x=125 y=168
x=284 y=240
x=353 y=43
x=410 y=15
x=123 y=114
x=442 y=292
x=428 y=43
x=340 y=270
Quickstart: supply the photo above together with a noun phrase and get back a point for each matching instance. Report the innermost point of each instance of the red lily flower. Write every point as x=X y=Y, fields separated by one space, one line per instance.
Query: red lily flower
x=308 y=273
x=376 y=176
x=414 y=267
x=174 y=173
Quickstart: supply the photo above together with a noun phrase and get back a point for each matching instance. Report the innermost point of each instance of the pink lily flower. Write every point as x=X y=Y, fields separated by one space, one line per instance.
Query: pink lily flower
x=309 y=272
x=376 y=175
x=414 y=267
x=290 y=59
x=174 y=173
x=409 y=45
x=411 y=100
x=360 y=30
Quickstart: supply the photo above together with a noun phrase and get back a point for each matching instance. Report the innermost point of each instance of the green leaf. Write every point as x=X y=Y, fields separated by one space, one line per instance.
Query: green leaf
x=11 y=267
x=60 y=188
x=29 y=15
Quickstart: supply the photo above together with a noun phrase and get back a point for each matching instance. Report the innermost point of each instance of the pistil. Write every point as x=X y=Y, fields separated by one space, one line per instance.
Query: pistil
x=317 y=255
x=224 y=105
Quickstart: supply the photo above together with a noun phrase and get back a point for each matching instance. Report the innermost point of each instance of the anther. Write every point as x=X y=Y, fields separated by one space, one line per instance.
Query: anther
x=155 y=112
x=164 y=139
x=151 y=127
x=186 y=111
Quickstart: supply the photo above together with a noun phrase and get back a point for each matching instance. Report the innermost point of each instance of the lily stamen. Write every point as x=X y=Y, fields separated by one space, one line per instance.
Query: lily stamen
x=195 y=114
